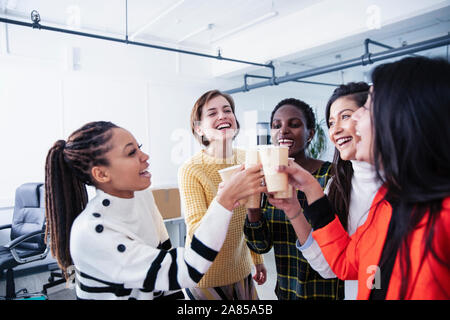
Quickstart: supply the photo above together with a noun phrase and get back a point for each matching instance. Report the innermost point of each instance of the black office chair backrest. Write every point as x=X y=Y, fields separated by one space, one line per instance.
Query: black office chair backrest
x=29 y=215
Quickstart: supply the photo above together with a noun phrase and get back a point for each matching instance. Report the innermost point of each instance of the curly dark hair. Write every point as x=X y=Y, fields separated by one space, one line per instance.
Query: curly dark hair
x=301 y=105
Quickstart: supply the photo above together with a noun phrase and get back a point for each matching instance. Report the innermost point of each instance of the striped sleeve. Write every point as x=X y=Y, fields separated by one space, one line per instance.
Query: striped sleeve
x=112 y=256
x=181 y=267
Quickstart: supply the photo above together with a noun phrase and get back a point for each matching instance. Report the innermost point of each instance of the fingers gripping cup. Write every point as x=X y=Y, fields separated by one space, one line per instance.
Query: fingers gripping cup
x=272 y=157
x=251 y=159
x=226 y=174
x=290 y=191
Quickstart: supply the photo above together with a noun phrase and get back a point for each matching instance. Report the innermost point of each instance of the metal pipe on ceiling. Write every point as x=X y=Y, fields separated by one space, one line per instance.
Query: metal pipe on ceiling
x=368 y=41
x=365 y=59
x=37 y=25
x=246 y=76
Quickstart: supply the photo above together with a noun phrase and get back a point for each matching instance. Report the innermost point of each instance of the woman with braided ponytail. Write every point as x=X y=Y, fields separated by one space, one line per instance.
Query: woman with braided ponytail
x=117 y=241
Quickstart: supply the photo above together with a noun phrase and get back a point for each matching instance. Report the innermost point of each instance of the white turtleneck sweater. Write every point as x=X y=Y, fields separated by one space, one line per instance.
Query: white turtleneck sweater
x=121 y=249
x=364 y=187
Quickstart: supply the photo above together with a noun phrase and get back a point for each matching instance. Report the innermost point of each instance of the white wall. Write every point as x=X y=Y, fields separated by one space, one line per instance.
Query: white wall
x=149 y=92
x=42 y=99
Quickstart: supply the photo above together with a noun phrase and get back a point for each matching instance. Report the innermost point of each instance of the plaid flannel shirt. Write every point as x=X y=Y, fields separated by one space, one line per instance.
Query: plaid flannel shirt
x=296 y=279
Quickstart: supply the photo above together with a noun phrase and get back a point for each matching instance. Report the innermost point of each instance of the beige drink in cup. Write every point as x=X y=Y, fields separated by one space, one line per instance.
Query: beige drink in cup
x=290 y=191
x=251 y=159
x=226 y=173
x=272 y=157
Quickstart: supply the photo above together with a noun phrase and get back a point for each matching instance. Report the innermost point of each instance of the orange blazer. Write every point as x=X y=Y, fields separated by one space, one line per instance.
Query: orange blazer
x=357 y=257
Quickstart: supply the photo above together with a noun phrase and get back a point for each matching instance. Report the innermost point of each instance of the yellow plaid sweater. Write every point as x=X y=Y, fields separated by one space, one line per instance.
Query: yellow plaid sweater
x=198 y=181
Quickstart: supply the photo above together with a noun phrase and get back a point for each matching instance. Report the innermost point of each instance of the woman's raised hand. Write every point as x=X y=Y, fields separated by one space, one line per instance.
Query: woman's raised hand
x=304 y=181
x=289 y=205
x=241 y=184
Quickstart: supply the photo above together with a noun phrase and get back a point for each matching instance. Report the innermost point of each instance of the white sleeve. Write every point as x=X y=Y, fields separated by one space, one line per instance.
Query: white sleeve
x=327 y=187
x=112 y=256
x=311 y=252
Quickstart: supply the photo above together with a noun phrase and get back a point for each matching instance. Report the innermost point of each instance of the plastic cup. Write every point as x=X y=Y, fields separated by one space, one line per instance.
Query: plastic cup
x=290 y=191
x=226 y=173
x=251 y=159
x=272 y=157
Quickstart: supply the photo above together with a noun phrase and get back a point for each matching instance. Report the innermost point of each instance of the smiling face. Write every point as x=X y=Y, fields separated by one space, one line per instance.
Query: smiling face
x=342 y=130
x=218 y=121
x=363 y=127
x=289 y=129
x=127 y=169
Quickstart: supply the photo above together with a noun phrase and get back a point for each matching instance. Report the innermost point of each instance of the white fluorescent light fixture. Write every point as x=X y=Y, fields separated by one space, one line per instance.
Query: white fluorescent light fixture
x=247 y=25
x=196 y=32
x=162 y=14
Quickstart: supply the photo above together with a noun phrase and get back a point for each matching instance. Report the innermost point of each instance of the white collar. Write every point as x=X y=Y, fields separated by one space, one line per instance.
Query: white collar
x=121 y=209
x=363 y=170
x=133 y=217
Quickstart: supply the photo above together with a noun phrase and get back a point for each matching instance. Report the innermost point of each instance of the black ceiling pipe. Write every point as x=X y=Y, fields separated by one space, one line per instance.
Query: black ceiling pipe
x=359 y=61
x=246 y=76
x=37 y=25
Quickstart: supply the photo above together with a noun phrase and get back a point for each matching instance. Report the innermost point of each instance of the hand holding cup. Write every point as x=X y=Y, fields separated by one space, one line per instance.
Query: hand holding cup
x=272 y=157
x=303 y=180
x=240 y=184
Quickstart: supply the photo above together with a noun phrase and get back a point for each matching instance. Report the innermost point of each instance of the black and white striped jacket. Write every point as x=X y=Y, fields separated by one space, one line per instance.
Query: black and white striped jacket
x=121 y=249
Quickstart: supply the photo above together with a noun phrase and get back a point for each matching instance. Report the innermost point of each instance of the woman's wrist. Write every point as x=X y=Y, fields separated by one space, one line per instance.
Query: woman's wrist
x=319 y=213
x=294 y=214
x=225 y=201
x=313 y=192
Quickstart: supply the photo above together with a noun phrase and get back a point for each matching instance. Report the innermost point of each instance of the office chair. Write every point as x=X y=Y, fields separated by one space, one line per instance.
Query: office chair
x=27 y=234
x=55 y=273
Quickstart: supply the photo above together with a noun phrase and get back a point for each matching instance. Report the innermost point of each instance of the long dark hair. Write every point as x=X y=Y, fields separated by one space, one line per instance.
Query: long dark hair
x=341 y=185
x=67 y=172
x=411 y=147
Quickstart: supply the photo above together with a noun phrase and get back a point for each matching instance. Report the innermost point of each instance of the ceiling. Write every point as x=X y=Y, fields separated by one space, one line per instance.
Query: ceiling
x=196 y=23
